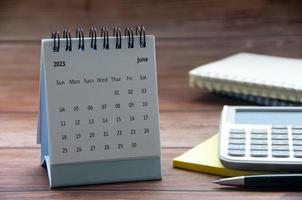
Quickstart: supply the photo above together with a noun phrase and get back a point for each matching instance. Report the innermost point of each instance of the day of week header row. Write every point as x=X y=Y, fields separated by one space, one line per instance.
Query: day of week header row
x=100 y=80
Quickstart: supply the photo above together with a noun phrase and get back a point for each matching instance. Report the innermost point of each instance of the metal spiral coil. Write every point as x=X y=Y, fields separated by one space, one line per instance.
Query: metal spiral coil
x=80 y=36
x=118 y=37
x=129 y=34
x=139 y=31
x=105 y=35
x=92 y=35
x=142 y=36
x=56 y=41
x=67 y=37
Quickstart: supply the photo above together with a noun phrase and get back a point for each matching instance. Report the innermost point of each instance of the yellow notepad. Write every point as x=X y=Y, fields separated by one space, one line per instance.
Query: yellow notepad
x=204 y=158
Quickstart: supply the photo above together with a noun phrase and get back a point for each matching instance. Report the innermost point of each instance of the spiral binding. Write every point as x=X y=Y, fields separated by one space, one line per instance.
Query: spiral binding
x=118 y=37
x=92 y=35
x=104 y=34
x=142 y=36
x=67 y=37
x=129 y=34
x=56 y=41
x=80 y=36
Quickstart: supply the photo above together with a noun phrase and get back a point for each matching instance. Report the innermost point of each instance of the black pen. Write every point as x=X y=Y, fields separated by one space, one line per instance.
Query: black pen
x=263 y=181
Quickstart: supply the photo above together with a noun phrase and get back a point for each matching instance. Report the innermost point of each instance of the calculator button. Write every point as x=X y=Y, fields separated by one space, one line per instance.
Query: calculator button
x=237 y=136
x=279 y=127
x=258 y=147
x=280 y=131
x=280 y=142
x=259 y=136
x=297 y=127
x=297 y=131
x=279 y=137
x=258 y=131
x=298 y=154
x=259 y=153
x=241 y=131
x=280 y=148
x=237 y=146
x=235 y=152
x=297 y=142
x=297 y=137
x=260 y=142
x=297 y=148
x=280 y=154
x=236 y=141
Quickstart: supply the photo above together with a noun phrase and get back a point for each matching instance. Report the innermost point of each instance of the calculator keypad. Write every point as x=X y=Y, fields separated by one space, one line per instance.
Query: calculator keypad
x=258 y=144
x=237 y=142
x=278 y=142
x=297 y=141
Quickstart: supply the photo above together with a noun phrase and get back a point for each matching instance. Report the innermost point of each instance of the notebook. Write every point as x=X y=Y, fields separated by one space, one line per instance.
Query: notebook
x=98 y=116
x=263 y=79
x=204 y=158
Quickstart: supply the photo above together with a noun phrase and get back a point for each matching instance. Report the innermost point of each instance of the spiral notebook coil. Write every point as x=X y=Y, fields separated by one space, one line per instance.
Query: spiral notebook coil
x=92 y=35
x=118 y=37
x=104 y=34
x=67 y=37
x=80 y=36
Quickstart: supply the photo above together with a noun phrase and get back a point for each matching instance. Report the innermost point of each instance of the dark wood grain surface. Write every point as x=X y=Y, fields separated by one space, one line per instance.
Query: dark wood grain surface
x=189 y=33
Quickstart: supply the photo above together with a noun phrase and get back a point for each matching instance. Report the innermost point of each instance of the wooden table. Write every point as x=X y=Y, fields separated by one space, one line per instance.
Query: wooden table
x=189 y=33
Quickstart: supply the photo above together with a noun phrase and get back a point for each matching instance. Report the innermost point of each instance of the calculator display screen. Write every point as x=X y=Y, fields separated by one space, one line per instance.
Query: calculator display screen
x=269 y=117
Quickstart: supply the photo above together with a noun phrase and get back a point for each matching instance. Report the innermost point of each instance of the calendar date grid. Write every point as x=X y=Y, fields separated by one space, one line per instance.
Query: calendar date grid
x=96 y=117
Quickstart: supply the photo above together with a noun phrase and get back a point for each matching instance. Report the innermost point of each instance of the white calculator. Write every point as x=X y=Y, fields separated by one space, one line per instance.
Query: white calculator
x=261 y=138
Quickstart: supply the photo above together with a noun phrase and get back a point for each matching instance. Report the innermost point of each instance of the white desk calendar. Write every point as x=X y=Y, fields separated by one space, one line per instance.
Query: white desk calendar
x=99 y=119
x=261 y=138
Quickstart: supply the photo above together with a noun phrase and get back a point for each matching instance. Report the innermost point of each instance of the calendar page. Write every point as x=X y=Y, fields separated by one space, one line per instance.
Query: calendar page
x=102 y=103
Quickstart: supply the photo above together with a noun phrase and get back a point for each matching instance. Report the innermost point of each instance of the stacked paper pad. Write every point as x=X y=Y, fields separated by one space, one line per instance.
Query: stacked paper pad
x=204 y=158
x=266 y=80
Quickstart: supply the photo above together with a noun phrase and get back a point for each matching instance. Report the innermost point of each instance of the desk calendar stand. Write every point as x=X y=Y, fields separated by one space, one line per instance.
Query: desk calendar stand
x=98 y=118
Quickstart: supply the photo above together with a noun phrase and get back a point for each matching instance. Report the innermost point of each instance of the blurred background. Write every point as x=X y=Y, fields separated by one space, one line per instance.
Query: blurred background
x=188 y=33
